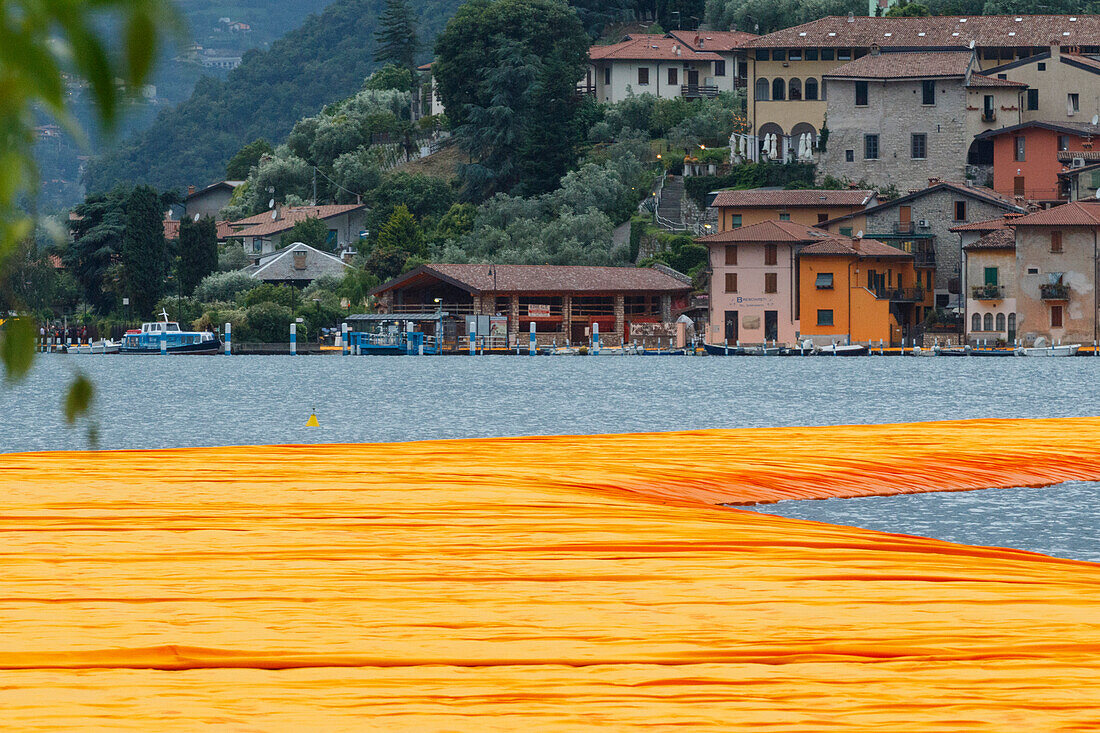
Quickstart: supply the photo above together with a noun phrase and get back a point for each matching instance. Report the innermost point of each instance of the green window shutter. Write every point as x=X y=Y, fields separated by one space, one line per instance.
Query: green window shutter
x=991 y=276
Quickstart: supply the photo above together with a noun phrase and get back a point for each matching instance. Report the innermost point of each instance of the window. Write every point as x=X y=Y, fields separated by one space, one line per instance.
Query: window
x=779 y=90
x=1018 y=186
x=761 y=54
x=861 y=94
x=673 y=76
x=844 y=54
x=1021 y=148
x=720 y=68
x=989 y=111
x=784 y=216
x=1056 y=242
x=919 y=145
x=824 y=317
x=1073 y=104
x=795 y=93
x=928 y=92
x=731 y=282
x=824 y=281
x=1033 y=271
x=257 y=246
x=811 y=54
x=976 y=322
x=1000 y=321
x=845 y=231
x=731 y=254
x=849 y=156
x=735 y=221
x=1063 y=143
x=763 y=89
x=643 y=76
x=779 y=54
x=822 y=217
x=827 y=54
x=811 y=89
x=607 y=75
x=771 y=282
x=1033 y=99
x=991 y=276
x=870 y=147
x=1042 y=66
x=1002 y=76
x=1056 y=316
x=988 y=324
x=771 y=254
x=960 y=211
x=795 y=54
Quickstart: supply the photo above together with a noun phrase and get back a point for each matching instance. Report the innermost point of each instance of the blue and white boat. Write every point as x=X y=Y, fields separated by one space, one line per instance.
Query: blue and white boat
x=149 y=339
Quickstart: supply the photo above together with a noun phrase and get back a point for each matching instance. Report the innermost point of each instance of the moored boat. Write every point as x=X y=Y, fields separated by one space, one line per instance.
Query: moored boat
x=1060 y=350
x=96 y=347
x=843 y=350
x=151 y=336
x=716 y=350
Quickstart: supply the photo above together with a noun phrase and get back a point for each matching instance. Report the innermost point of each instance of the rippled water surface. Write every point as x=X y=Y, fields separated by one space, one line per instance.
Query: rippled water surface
x=153 y=401
x=1057 y=520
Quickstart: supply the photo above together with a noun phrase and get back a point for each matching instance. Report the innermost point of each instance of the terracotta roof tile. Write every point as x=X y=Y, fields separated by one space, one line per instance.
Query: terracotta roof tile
x=989 y=225
x=1067 y=156
x=792 y=197
x=981 y=81
x=1076 y=213
x=716 y=41
x=649 y=47
x=999 y=239
x=767 y=231
x=848 y=246
x=1081 y=129
x=171 y=229
x=547 y=278
x=916 y=65
x=1093 y=61
x=989 y=31
x=262 y=224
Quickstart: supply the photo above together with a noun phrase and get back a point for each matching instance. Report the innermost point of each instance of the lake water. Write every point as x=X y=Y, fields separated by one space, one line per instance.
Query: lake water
x=159 y=402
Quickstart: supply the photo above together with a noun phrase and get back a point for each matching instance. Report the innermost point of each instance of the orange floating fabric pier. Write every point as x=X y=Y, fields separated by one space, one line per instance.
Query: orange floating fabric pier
x=551 y=582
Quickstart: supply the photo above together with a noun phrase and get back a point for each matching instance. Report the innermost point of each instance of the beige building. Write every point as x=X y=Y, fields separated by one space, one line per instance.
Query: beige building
x=653 y=64
x=1056 y=262
x=1062 y=87
x=263 y=233
x=729 y=74
x=944 y=104
x=787 y=92
x=990 y=283
x=809 y=207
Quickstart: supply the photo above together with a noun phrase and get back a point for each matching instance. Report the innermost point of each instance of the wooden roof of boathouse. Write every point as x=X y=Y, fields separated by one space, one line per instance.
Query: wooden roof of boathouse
x=543 y=279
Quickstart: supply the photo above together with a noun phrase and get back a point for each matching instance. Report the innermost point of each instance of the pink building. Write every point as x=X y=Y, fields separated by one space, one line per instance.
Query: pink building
x=754 y=282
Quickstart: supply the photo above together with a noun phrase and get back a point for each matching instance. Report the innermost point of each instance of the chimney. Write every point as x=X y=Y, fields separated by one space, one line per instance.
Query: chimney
x=855 y=243
x=851 y=17
x=190 y=190
x=933 y=181
x=1055 y=50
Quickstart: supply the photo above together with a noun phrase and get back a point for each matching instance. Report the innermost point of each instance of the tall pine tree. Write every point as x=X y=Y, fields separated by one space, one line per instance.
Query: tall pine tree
x=143 y=252
x=396 y=36
x=198 y=251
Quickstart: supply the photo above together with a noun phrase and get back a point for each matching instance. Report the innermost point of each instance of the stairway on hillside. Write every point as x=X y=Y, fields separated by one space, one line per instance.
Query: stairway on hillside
x=669 y=215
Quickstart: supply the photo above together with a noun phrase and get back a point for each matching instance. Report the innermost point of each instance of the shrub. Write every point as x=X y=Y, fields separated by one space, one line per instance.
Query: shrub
x=267 y=323
x=271 y=293
x=223 y=286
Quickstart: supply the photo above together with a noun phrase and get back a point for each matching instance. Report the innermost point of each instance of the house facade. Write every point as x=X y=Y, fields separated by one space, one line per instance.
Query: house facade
x=1062 y=86
x=431 y=103
x=629 y=304
x=802 y=206
x=263 y=233
x=787 y=89
x=1056 y=264
x=990 y=283
x=1080 y=182
x=856 y=290
x=754 y=282
x=729 y=74
x=210 y=200
x=654 y=64
x=944 y=105
x=297 y=265
x=921 y=223
x=1028 y=158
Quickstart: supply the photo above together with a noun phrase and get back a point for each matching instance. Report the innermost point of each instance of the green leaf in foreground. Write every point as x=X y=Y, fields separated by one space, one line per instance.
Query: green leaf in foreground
x=79 y=398
x=17 y=347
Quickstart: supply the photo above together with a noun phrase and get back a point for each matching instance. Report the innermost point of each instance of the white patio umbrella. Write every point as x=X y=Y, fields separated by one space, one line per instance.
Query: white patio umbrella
x=772 y=149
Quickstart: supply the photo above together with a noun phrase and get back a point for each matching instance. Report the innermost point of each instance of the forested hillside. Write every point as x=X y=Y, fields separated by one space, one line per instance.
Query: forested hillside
x=324 y=60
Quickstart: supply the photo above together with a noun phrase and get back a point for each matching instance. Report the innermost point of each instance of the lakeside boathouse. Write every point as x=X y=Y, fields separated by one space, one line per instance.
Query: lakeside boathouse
x=630 y=304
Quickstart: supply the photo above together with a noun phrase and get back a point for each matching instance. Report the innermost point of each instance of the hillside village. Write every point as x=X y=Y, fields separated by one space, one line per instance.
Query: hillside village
x=892 y=181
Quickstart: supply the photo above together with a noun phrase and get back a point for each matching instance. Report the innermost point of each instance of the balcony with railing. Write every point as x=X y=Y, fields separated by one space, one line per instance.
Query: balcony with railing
x=585 y=90
x=421 y=308
x=900 y=295
x=987 y=292
x=904 y=227
x=1054 y=291
x=698 y=91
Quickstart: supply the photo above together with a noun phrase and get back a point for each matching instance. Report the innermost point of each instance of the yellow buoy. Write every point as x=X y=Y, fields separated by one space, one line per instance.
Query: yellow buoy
x=312 y=421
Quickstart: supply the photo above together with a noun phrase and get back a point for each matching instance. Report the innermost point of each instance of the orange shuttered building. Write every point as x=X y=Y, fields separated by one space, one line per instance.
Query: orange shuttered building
x=801 y=206
x=859 y=290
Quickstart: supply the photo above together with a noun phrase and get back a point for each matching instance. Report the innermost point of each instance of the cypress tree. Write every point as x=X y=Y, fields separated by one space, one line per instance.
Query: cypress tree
x=198 y=251
x=143 y=252
x=396 y=35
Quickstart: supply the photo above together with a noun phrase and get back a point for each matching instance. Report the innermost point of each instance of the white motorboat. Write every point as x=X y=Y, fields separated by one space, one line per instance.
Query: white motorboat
x=95 y=347
x=843 y=350
x=1059 y=350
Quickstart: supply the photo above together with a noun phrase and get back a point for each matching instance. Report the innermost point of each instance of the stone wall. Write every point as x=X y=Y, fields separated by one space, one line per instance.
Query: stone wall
x=894 y=112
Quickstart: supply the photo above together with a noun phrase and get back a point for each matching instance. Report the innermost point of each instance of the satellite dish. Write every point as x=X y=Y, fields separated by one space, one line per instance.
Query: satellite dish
x=859 y=234
x=274 y=215
x=196 y=218
x=1098 y=193
x=972 y=43
x=1095 y=119
x=271 y=204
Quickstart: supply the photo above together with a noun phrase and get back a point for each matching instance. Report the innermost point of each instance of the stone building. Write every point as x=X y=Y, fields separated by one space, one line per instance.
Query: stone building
x=1056 y=262
x=630 y=304
x=943 y=105
x=921 y=223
